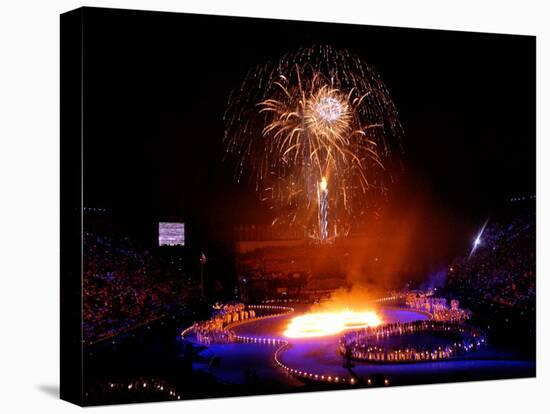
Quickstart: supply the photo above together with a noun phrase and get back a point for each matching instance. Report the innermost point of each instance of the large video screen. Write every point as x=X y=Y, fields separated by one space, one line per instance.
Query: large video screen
x=171 y=234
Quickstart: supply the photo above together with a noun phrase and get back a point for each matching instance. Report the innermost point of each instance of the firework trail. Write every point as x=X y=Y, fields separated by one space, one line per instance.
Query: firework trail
x=323 y=210
x=318 y=117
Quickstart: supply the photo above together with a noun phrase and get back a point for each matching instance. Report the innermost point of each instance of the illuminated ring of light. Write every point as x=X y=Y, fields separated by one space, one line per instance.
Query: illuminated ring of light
x=471 y=340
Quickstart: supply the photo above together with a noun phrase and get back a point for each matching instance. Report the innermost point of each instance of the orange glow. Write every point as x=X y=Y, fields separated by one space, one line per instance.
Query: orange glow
x=329 y=323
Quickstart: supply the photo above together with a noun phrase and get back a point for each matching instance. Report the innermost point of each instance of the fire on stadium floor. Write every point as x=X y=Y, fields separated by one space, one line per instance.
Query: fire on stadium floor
x=241 y=363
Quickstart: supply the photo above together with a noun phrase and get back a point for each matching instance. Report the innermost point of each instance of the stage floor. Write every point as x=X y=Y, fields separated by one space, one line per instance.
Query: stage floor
x=320 y=356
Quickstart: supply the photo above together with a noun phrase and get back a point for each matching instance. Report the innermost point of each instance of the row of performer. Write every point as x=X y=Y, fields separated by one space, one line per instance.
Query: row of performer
x=216 y=329
x=370 y=344
x=438 y=307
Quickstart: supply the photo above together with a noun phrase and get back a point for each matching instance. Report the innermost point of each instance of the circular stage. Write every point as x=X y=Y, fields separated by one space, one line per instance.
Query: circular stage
x=290 y=363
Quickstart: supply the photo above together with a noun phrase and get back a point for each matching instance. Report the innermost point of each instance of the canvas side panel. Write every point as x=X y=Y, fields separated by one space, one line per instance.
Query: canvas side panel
x=71 y=206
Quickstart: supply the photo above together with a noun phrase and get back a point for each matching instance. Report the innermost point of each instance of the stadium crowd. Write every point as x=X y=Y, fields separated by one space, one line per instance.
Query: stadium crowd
x=497 y=281
x=500 y=270
x=123 y=287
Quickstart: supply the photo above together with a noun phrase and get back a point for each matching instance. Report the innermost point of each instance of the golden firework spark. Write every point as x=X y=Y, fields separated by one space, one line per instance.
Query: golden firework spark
x=318 y=113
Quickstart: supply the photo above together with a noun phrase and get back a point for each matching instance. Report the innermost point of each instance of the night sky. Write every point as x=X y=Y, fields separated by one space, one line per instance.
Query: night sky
x=157 y=84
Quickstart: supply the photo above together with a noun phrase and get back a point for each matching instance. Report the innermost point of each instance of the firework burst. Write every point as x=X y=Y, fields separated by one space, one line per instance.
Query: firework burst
x=319 y=117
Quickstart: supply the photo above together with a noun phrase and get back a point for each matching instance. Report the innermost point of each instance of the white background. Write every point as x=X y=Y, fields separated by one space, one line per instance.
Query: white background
x=29 y=194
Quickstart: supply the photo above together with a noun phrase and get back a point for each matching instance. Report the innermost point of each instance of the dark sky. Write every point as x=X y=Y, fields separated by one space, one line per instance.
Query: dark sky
x=156 y=87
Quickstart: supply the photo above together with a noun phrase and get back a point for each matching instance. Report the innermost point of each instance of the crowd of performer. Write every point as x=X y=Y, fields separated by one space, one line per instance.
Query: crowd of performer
x=437 y=307
x=371 y=344
x=217 y=328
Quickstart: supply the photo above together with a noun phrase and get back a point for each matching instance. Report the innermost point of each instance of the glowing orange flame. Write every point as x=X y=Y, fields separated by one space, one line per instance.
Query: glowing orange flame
x=329 y=323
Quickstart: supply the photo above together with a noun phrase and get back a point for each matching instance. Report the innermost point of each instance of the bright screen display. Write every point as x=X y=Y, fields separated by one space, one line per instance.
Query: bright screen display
x=171 y=234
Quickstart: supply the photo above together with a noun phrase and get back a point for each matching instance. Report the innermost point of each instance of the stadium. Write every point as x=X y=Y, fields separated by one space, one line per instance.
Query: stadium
x=313 y=212
x=307 y=333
